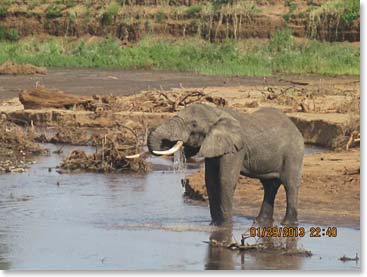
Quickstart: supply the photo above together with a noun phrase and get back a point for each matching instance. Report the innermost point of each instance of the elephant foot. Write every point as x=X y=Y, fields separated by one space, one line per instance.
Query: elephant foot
x=290 y=218
x=264 y=221
x=221 y=222
x=289 y=222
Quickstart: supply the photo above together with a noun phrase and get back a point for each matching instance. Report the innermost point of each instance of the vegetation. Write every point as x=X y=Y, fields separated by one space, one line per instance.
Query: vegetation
x=53 y=11
x=110 y=13
x=333 y=12
x=281 y=54
x=8 y=34
x=4 y=6
x=160 y=17
x=193 y=11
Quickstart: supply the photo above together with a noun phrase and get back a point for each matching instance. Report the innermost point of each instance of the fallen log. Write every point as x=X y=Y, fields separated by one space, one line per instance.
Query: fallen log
x=42 y=97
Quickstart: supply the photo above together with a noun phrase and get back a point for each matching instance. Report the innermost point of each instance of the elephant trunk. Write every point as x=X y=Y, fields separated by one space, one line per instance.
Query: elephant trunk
x=166 y=136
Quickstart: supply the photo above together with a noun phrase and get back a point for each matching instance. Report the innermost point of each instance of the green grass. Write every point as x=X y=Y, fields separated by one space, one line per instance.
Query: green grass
x=229 y=58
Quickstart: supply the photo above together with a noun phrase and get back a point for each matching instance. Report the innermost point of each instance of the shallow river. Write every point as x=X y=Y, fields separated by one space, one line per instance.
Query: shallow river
x=118 y=221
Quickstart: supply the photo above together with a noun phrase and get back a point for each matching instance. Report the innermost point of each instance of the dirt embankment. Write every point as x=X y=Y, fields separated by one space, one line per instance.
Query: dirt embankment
x=135 y=19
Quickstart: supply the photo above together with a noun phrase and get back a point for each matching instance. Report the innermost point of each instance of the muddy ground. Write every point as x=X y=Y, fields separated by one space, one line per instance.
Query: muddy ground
x=325 y=109
x=106 y=82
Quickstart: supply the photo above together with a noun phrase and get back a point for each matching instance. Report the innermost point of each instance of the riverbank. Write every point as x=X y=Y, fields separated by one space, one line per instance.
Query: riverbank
x=325 y=109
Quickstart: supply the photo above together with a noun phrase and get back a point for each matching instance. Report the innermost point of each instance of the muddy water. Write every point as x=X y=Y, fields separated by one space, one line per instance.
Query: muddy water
x=94 y=221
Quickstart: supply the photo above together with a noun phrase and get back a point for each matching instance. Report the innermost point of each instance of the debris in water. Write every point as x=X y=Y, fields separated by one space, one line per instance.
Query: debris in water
x=346 y=259
x=17 y=146
x=112 y=157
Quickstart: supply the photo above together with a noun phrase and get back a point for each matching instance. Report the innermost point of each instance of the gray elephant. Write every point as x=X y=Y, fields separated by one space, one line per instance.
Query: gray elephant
x=265 y=145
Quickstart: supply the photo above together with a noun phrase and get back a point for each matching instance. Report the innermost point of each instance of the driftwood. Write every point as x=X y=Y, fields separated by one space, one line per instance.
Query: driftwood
x=42 y=97
x=354 y=137
x=346 y=259
x=352 y=171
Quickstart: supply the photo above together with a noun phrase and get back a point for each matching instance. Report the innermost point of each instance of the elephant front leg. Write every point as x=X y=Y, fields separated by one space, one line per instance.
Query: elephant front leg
x=212 y=187
x=271 y=187
x=221 y=175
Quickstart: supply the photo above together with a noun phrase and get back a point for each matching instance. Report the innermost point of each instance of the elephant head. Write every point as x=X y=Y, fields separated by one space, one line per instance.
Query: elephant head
x=202 y=129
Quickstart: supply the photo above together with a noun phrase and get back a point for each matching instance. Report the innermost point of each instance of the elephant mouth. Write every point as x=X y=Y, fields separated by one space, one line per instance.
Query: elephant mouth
x=169 y=148
x=173 y=149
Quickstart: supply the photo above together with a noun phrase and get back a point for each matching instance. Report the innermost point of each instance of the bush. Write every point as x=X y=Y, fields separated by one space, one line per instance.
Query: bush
x=12 y=35
x=351 y=12
x=193 y=10
x=160 y=17
x=53 y=11
x=281 y=40
x=69 y=3
x=331 y=13
x=4 y=6
x=109 y=15
x=3 y=10
x=2 y=32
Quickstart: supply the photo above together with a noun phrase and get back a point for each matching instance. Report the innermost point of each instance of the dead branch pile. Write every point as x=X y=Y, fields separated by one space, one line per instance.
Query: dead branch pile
x=131 y=133
x=16 y=147
x=351 y=136
x=106 y=160
x=11 y=68
x=114 y=147
x=17 y=138
x=350 y=106
x=152 y=101
x=67 y=135
x=298 y=98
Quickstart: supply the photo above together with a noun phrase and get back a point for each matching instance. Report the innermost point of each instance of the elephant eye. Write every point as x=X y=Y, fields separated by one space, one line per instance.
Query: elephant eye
x=194 y=124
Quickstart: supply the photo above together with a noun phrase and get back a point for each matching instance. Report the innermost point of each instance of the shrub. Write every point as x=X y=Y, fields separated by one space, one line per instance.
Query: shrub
x=281 y=40
x=332 y=13
x=53 y=11
x=12 y=35
x=2 y=32
x=69 y=3
x=110 y=13
x=4 y=6
x=193 y=10
x=160 y=17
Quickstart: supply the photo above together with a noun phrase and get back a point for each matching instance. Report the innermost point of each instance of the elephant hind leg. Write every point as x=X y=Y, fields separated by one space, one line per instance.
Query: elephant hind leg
x=271 y=187
x=291 y=180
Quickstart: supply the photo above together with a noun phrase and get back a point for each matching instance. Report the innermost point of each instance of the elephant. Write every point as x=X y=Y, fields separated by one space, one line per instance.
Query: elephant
x=264 y=145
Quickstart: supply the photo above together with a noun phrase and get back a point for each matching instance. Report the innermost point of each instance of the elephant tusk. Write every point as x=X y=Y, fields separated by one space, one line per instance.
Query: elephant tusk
x=171 y=151
x=129 y=157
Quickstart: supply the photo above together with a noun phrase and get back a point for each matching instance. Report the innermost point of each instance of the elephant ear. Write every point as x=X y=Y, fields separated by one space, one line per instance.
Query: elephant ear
x=224 y=137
